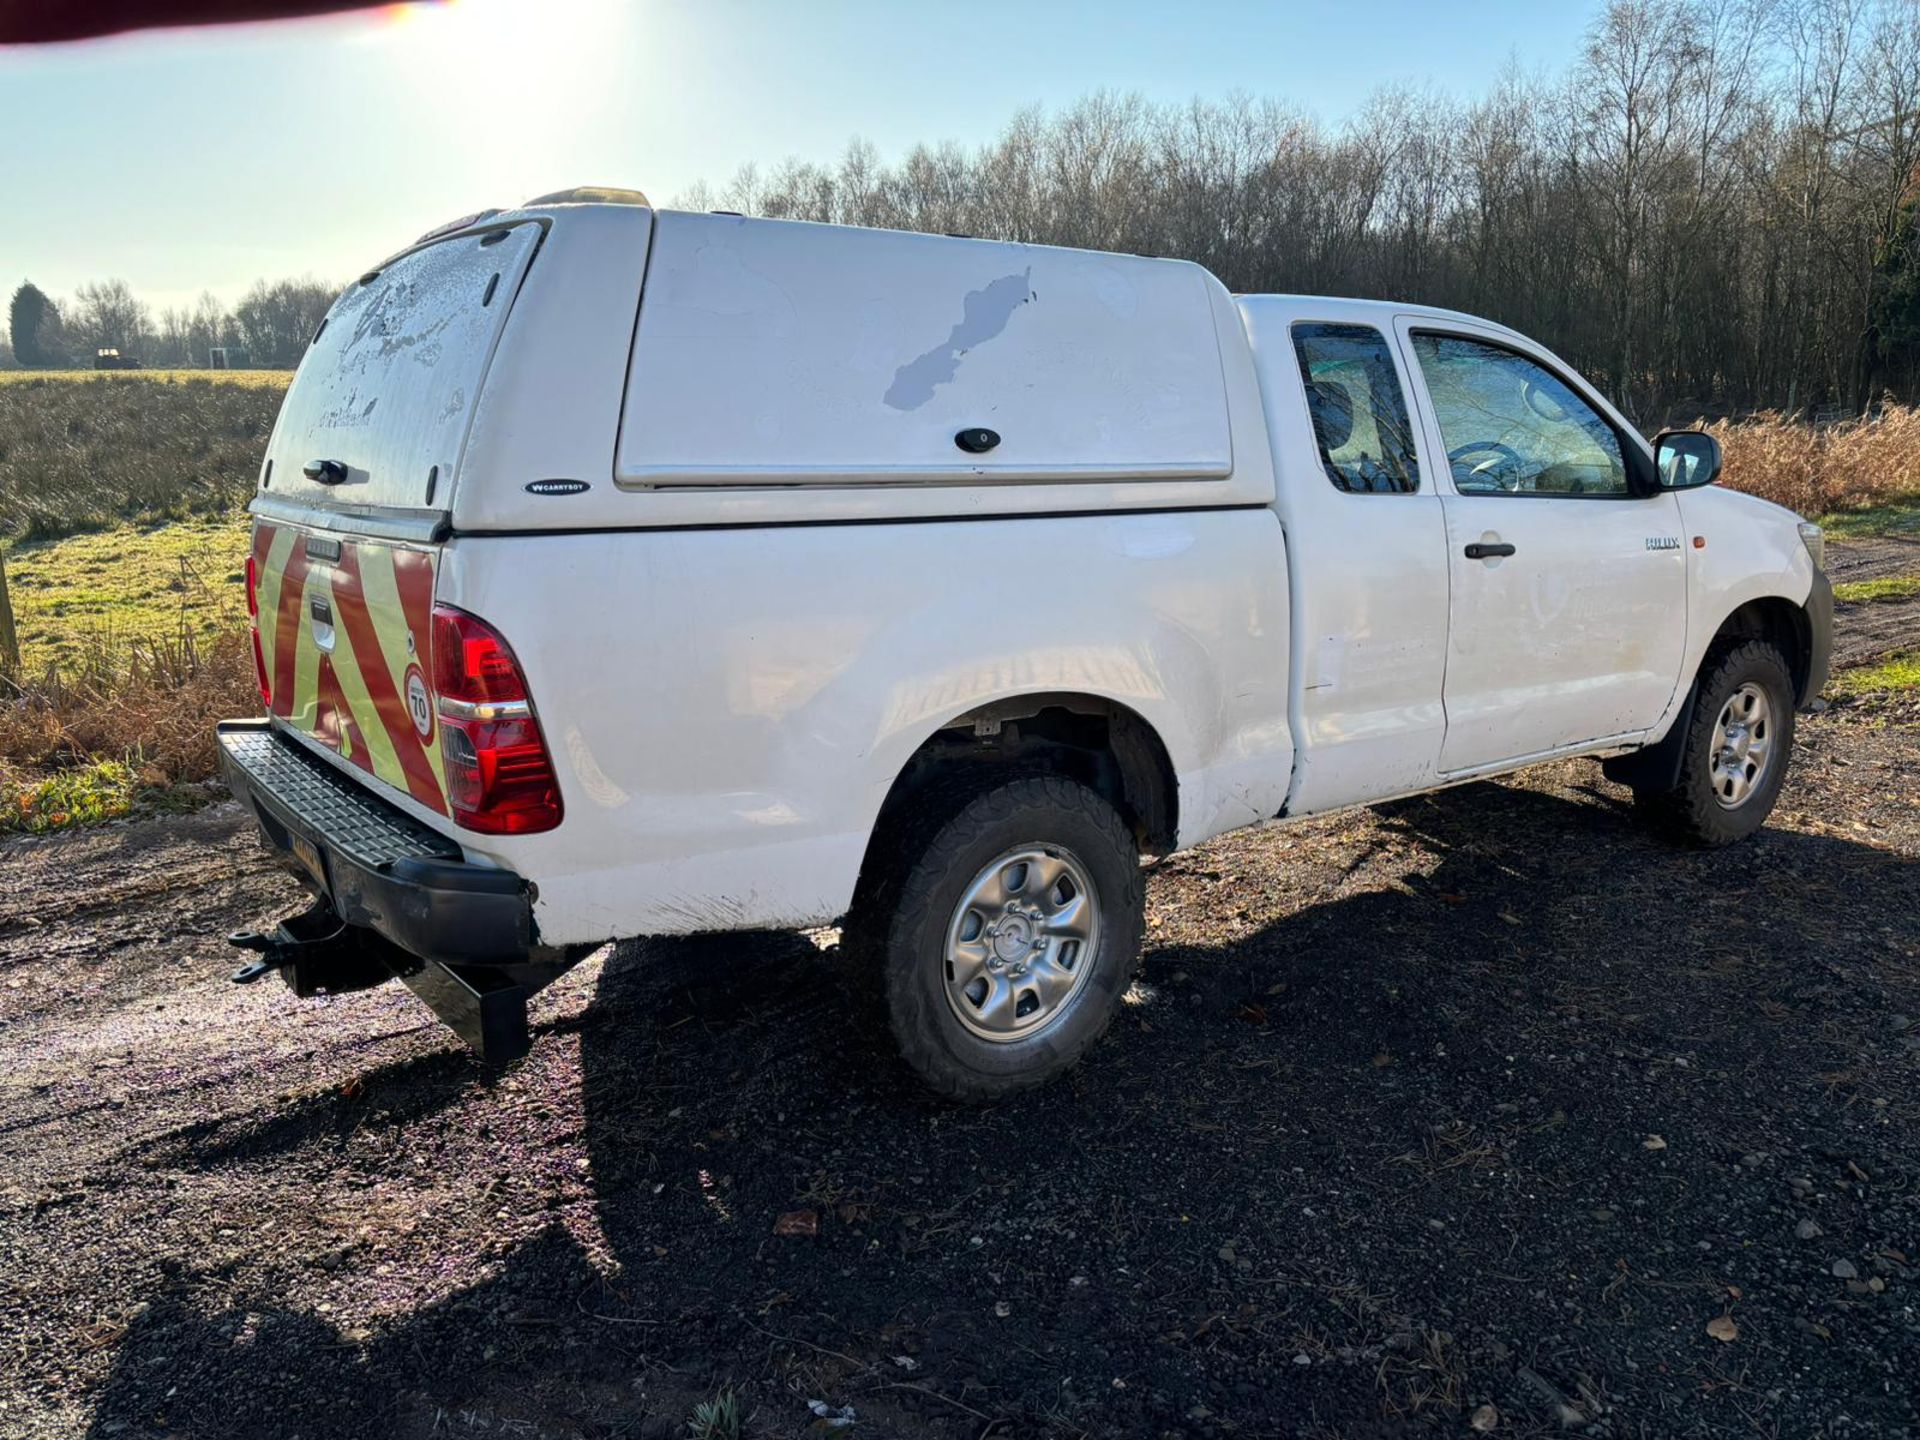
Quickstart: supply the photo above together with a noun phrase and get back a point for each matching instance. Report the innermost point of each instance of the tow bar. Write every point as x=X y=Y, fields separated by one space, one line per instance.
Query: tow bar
x=316 y=952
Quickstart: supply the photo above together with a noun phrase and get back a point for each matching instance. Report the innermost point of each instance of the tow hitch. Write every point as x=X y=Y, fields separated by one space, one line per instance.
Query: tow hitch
x=316 y=952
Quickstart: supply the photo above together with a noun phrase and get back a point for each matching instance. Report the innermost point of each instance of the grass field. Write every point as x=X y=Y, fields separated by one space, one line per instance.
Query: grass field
x=88 y=453
x=246 y=379
x=88 y=594
x=132 y=645
x=120 y=496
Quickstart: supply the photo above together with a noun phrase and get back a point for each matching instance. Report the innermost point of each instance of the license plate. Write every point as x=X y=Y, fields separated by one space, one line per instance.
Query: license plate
x=308 y=854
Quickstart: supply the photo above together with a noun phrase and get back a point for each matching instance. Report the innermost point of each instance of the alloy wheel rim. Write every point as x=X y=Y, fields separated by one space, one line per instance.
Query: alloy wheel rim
x=1020 y=943
x=1742 y=746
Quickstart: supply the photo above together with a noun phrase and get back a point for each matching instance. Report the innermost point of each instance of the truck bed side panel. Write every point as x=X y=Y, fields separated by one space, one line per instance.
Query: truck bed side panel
x=728 y=708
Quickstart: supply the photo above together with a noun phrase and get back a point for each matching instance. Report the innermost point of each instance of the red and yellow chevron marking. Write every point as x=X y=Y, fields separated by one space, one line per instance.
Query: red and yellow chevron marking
x=346 y=685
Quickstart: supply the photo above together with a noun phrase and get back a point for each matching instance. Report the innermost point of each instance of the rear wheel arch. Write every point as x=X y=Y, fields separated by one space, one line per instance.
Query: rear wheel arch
x=1105 y=745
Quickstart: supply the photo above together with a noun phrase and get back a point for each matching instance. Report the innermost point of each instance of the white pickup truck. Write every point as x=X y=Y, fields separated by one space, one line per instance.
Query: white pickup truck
x=623 y=572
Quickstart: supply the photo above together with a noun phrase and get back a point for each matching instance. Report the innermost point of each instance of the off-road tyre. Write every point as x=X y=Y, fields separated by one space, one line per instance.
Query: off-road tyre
x=903 y=915
x=1690 y=812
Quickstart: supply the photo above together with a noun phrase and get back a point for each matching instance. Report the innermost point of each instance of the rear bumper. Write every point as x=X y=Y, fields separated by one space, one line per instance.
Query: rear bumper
x=376 y=865
x=395 y=898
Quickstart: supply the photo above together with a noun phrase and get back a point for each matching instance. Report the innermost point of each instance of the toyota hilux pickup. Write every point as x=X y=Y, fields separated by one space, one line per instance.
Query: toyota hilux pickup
x=620 y=572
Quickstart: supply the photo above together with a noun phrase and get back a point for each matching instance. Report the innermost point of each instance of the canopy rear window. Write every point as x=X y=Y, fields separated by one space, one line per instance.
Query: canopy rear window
x=379 y=410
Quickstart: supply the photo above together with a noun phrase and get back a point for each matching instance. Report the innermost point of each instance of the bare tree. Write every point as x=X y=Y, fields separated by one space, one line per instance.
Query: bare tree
x=209 y=325
x=276 y=321
x=107 y=315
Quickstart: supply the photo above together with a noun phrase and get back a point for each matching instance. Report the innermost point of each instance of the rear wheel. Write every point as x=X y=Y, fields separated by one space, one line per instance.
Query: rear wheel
x=1739 y=737
x=1011 y=927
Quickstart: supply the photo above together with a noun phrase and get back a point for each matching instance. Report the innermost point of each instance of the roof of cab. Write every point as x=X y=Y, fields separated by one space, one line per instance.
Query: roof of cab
x=1375 y=310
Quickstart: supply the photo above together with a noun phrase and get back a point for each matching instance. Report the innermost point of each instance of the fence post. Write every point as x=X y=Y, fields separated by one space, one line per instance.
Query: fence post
x=9 y=639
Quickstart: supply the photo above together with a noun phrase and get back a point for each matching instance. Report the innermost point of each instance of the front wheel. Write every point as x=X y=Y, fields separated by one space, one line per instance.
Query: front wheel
x=1739 y=737
x=1011 y=932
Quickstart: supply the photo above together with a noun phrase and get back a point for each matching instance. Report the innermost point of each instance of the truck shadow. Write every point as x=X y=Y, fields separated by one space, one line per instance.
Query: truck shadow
x=1428 y=1053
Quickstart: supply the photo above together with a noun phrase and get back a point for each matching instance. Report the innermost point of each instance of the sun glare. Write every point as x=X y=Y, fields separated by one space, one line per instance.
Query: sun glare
x=524 y=83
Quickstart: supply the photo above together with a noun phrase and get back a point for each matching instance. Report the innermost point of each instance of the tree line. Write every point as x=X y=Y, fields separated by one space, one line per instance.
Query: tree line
x=1712 y=208
x=1715 y=206
x=268 y=328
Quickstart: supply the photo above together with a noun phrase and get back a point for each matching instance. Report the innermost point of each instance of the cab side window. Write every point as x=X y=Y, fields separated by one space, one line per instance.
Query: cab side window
x=1513 y=427
x=1359 y=413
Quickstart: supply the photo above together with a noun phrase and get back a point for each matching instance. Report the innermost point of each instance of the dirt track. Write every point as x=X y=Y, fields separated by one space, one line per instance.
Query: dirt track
x=1864 y=632
x=1485 y=1099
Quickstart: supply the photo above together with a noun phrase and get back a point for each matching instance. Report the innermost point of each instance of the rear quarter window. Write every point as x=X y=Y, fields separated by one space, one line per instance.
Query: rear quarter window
x=1358 y=409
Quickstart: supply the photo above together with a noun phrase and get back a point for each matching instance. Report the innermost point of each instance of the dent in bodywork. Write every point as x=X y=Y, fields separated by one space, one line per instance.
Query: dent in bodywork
x=983 y=315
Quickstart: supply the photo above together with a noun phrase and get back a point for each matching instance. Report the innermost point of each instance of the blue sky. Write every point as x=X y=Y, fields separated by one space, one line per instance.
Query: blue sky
x=202 y=160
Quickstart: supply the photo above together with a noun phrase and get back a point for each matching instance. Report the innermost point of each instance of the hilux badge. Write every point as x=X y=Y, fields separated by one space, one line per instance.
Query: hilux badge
x=1663 y=542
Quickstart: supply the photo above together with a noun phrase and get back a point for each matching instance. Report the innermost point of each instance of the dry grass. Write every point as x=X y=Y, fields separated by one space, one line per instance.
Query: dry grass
x=1826 y=469
x=246 y=379
x=82 y=454
x=150 y=704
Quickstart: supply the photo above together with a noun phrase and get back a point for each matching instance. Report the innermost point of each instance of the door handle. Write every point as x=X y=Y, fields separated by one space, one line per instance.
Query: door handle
x=1479 y=550
x=327 y=472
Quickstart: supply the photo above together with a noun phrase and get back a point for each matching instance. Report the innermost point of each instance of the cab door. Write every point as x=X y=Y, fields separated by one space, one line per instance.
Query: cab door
x=1567 y=575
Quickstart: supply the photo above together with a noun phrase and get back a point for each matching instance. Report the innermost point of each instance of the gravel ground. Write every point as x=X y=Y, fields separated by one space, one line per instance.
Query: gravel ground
x=1863 y=632
x=1484 y=1110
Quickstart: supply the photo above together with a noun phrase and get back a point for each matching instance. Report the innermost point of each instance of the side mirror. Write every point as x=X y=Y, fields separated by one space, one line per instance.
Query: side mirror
x=1685 y=459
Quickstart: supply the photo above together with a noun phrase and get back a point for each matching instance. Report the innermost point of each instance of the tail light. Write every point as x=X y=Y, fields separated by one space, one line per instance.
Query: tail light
x=500 y=779
x=253 y=616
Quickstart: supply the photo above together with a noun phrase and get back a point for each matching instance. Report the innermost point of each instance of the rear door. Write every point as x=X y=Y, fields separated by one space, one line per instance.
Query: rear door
x=1567 y=586
x=1366 y=562
x=360 y=475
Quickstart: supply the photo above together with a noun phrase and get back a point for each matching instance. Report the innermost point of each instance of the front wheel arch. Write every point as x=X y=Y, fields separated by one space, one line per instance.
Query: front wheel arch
x=1784 y=625
x=1778 y=621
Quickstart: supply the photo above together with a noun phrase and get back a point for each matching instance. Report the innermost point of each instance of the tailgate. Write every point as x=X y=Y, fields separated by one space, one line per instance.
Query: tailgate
x=345 y=627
